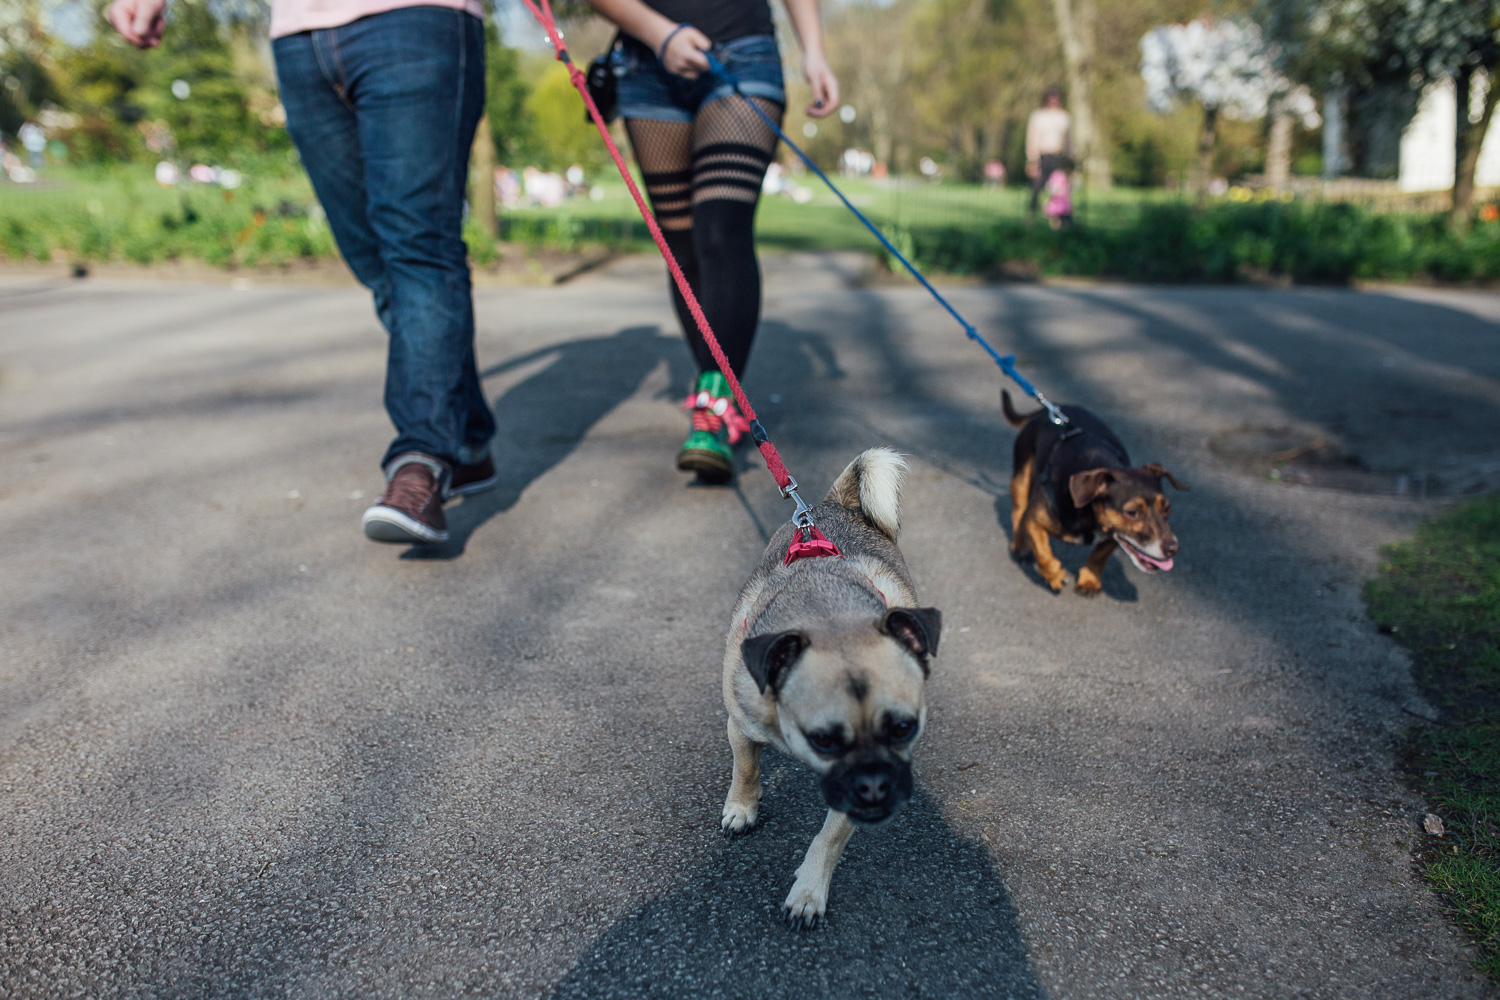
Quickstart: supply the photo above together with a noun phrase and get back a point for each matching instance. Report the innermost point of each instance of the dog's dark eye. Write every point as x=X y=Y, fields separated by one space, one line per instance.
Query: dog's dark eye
x=830 y=742
x=901 y=731
x=1134 y=513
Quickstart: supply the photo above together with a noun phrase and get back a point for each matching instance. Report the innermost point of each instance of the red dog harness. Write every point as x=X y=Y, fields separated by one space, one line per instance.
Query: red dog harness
x=814 y=545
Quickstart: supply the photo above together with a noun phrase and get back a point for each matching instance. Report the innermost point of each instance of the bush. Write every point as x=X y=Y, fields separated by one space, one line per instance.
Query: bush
x=118 y=215
x=1310 y=242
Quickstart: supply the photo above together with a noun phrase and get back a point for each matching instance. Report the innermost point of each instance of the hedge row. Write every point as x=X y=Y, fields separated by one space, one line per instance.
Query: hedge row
x=1226 y=242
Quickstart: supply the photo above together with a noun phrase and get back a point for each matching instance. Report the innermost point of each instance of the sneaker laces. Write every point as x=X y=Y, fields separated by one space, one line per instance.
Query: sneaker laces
x=715 y=413
x=409 y=491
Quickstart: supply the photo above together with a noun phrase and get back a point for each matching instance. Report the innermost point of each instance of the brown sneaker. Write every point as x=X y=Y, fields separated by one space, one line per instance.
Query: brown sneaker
x=473 y=477
x=411 y=508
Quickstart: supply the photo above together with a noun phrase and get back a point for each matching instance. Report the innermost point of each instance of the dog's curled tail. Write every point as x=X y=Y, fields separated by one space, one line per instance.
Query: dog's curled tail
x=1016 y=419
x=870 y=486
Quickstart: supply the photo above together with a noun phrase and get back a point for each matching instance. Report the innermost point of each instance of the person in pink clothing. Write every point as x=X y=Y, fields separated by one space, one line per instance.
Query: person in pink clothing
x=1059 y=207
x=382 y=98
x=1049 y=143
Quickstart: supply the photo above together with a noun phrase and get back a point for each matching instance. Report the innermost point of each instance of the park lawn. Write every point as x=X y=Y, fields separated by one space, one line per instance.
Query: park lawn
x=121 y=214
x=823 y=223
x=1438 y=593
x=1130 y=234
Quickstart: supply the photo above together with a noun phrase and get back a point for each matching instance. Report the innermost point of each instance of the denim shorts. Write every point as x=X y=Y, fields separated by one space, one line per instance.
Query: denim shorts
x=647 y=90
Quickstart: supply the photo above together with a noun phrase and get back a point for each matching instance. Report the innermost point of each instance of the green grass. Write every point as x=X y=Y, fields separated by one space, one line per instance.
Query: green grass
x=1314 y=242
x=1439 y=594
x=119 y=213
x=966 y=211
x=122 y=214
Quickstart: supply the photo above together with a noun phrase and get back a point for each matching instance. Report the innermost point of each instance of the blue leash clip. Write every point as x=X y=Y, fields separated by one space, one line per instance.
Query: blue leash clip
x=1007 y=362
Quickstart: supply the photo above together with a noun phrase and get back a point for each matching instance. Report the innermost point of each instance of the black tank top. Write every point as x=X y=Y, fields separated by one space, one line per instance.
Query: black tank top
x=721 y=20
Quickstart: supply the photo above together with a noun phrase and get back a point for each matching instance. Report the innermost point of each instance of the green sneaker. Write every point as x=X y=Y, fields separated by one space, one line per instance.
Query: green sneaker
x=717 y=427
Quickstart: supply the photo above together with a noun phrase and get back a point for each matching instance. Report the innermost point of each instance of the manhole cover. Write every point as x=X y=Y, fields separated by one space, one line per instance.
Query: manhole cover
x=1265 y=448
x=1301 y=458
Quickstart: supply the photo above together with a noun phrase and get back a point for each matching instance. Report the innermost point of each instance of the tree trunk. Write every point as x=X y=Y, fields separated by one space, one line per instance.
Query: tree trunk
x=1333 y=133
x=482 y=179
x=1204 y=168
x=1467 y=143
x=1077 y=36
x=1279 y=150
x=883 y=146
x=968 y=150
x=877 y=76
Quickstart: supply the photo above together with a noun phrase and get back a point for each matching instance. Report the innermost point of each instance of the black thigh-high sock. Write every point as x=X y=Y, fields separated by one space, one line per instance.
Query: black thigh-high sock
x=684 y=248
x=728 y=282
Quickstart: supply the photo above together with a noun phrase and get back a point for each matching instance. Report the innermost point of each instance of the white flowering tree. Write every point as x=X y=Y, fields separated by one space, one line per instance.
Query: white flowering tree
x=1405 y=43
x=1225 y=68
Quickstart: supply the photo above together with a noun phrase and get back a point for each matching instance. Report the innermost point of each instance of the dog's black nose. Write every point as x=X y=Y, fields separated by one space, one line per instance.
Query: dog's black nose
x=872 y=789
x=1170 y=548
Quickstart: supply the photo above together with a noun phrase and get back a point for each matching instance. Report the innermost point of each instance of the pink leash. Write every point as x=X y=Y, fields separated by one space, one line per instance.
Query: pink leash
x=815 y=544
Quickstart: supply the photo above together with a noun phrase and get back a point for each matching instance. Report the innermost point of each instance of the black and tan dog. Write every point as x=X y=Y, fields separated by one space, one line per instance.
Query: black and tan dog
x=1074 y=482
x=827 y=660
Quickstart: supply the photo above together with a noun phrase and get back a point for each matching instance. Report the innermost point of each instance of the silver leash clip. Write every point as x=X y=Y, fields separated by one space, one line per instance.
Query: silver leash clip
x=1053 y=413
x=802 y=516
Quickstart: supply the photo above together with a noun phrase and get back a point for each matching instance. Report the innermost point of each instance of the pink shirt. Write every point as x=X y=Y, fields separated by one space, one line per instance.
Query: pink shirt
x=291 y=16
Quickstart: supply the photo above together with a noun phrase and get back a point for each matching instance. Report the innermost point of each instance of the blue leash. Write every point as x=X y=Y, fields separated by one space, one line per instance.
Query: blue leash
x=1007 y=362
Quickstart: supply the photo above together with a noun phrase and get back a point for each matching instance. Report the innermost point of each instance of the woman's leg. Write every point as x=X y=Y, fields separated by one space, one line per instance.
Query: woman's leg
x=664 y=152
x=732 y=147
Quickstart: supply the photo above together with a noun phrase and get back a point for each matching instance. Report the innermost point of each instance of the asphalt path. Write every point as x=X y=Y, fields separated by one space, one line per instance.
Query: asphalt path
x=245 y=752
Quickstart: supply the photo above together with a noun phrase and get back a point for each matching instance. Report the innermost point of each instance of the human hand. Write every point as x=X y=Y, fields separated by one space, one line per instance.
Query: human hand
x=684 y=52
x=139 y=22
x=825 y=86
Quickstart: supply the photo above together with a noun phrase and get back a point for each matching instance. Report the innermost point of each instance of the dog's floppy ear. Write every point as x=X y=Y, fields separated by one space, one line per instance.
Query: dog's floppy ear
x=1086 y=487
x=1161 y=471
x=768 y=657
x=918 y=629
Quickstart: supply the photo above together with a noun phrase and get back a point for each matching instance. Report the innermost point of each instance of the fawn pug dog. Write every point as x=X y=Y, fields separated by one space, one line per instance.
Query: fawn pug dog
x=826 y=661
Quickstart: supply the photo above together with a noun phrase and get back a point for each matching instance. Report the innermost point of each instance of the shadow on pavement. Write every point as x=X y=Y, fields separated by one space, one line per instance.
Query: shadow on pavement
x=544 y=417
x=1399 y=401
x=914 y=911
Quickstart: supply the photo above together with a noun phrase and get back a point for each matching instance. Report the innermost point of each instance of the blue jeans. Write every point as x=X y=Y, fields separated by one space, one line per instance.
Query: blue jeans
x=646 y=90
x=383 y=112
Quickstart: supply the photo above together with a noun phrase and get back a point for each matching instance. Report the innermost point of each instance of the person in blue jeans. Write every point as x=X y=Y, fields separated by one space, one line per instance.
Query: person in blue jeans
x=703 y=153
x=382 y=105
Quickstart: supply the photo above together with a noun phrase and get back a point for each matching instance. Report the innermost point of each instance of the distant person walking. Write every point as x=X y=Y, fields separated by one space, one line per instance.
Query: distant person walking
x=703 y=155
x=1049 y=143
x=382 y=98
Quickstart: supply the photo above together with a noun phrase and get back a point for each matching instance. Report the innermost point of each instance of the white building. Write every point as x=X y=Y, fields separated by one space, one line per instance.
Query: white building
x=1427 y=143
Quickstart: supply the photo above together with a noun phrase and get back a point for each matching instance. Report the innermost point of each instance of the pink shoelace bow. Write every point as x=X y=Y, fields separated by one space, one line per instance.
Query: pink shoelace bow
x=710 y=413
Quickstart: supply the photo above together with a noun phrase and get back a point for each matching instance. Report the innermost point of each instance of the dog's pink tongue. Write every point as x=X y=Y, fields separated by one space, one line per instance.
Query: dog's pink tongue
x=1161 y=564
x=1143 y=555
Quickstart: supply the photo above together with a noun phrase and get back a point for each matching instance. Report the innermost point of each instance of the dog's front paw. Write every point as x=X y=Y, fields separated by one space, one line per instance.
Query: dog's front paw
x=739 y=817
x=1088 y=583
x=804 y=905
x=1058 y=581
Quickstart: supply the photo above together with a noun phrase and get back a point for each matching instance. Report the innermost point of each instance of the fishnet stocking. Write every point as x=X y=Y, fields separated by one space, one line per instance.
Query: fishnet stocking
x=731 y=149
x=703 y=180
x=664 y=152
